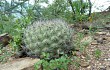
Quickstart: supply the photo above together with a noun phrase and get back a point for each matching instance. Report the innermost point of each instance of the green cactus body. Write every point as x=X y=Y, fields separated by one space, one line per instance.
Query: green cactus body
x=48 y=36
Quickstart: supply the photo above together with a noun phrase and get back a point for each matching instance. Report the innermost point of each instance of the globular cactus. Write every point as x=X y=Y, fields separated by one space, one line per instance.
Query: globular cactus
x=52 y=36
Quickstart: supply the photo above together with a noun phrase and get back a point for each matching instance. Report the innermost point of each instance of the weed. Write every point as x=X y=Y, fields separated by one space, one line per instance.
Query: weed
x=97 y=53
x=14 y=28
x=60 y=64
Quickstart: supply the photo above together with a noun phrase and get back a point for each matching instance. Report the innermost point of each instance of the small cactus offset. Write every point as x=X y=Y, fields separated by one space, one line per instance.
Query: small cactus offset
x=52 y=36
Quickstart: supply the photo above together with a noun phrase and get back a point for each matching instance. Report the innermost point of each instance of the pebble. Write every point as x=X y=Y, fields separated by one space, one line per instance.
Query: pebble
x=108 y=34
x=94 y=43
x=100 y=40
x=84 y=63
x=100 y=33
x=102 y=68
x=107 y=59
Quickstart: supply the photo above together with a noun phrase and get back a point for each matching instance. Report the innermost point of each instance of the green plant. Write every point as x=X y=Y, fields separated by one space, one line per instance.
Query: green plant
x=81 y=42
x=14 y=28
x=77 y=42
x=53 y=37
x=79 y=7
x=60 y=64
x=97 y=53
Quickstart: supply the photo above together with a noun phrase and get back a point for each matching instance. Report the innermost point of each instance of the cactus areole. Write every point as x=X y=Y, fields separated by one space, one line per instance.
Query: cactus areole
x=51 y=36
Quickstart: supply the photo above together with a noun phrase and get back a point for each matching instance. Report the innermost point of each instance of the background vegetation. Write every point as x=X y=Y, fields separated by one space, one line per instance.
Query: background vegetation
x=16 y=15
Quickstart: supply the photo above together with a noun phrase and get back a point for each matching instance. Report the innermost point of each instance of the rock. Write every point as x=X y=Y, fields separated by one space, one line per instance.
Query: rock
x=107 y=59
x=19 y=64
x=100 y=33
x=94 y=43
x=108 y=34
x=4 y=39
x=102 y=68
x=84 y=63
x=100 y=40
x=29 y=68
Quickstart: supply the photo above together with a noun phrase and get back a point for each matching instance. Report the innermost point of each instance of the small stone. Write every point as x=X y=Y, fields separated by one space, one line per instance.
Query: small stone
x=107 y=59
x=100 y=33
x=4 y=39
x=94 y=43
x=102 y=68
x=108 y=34
x=89 y=67
x=107 y=38
x=84 y=64
x=83 y=56
x=100 y=40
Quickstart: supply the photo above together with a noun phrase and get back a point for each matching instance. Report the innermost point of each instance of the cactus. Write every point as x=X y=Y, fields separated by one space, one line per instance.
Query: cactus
x=52 y=36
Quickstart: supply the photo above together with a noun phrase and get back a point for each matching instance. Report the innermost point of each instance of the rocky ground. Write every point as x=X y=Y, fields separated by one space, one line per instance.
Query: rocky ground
x=96 y=55
x=99 y=52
